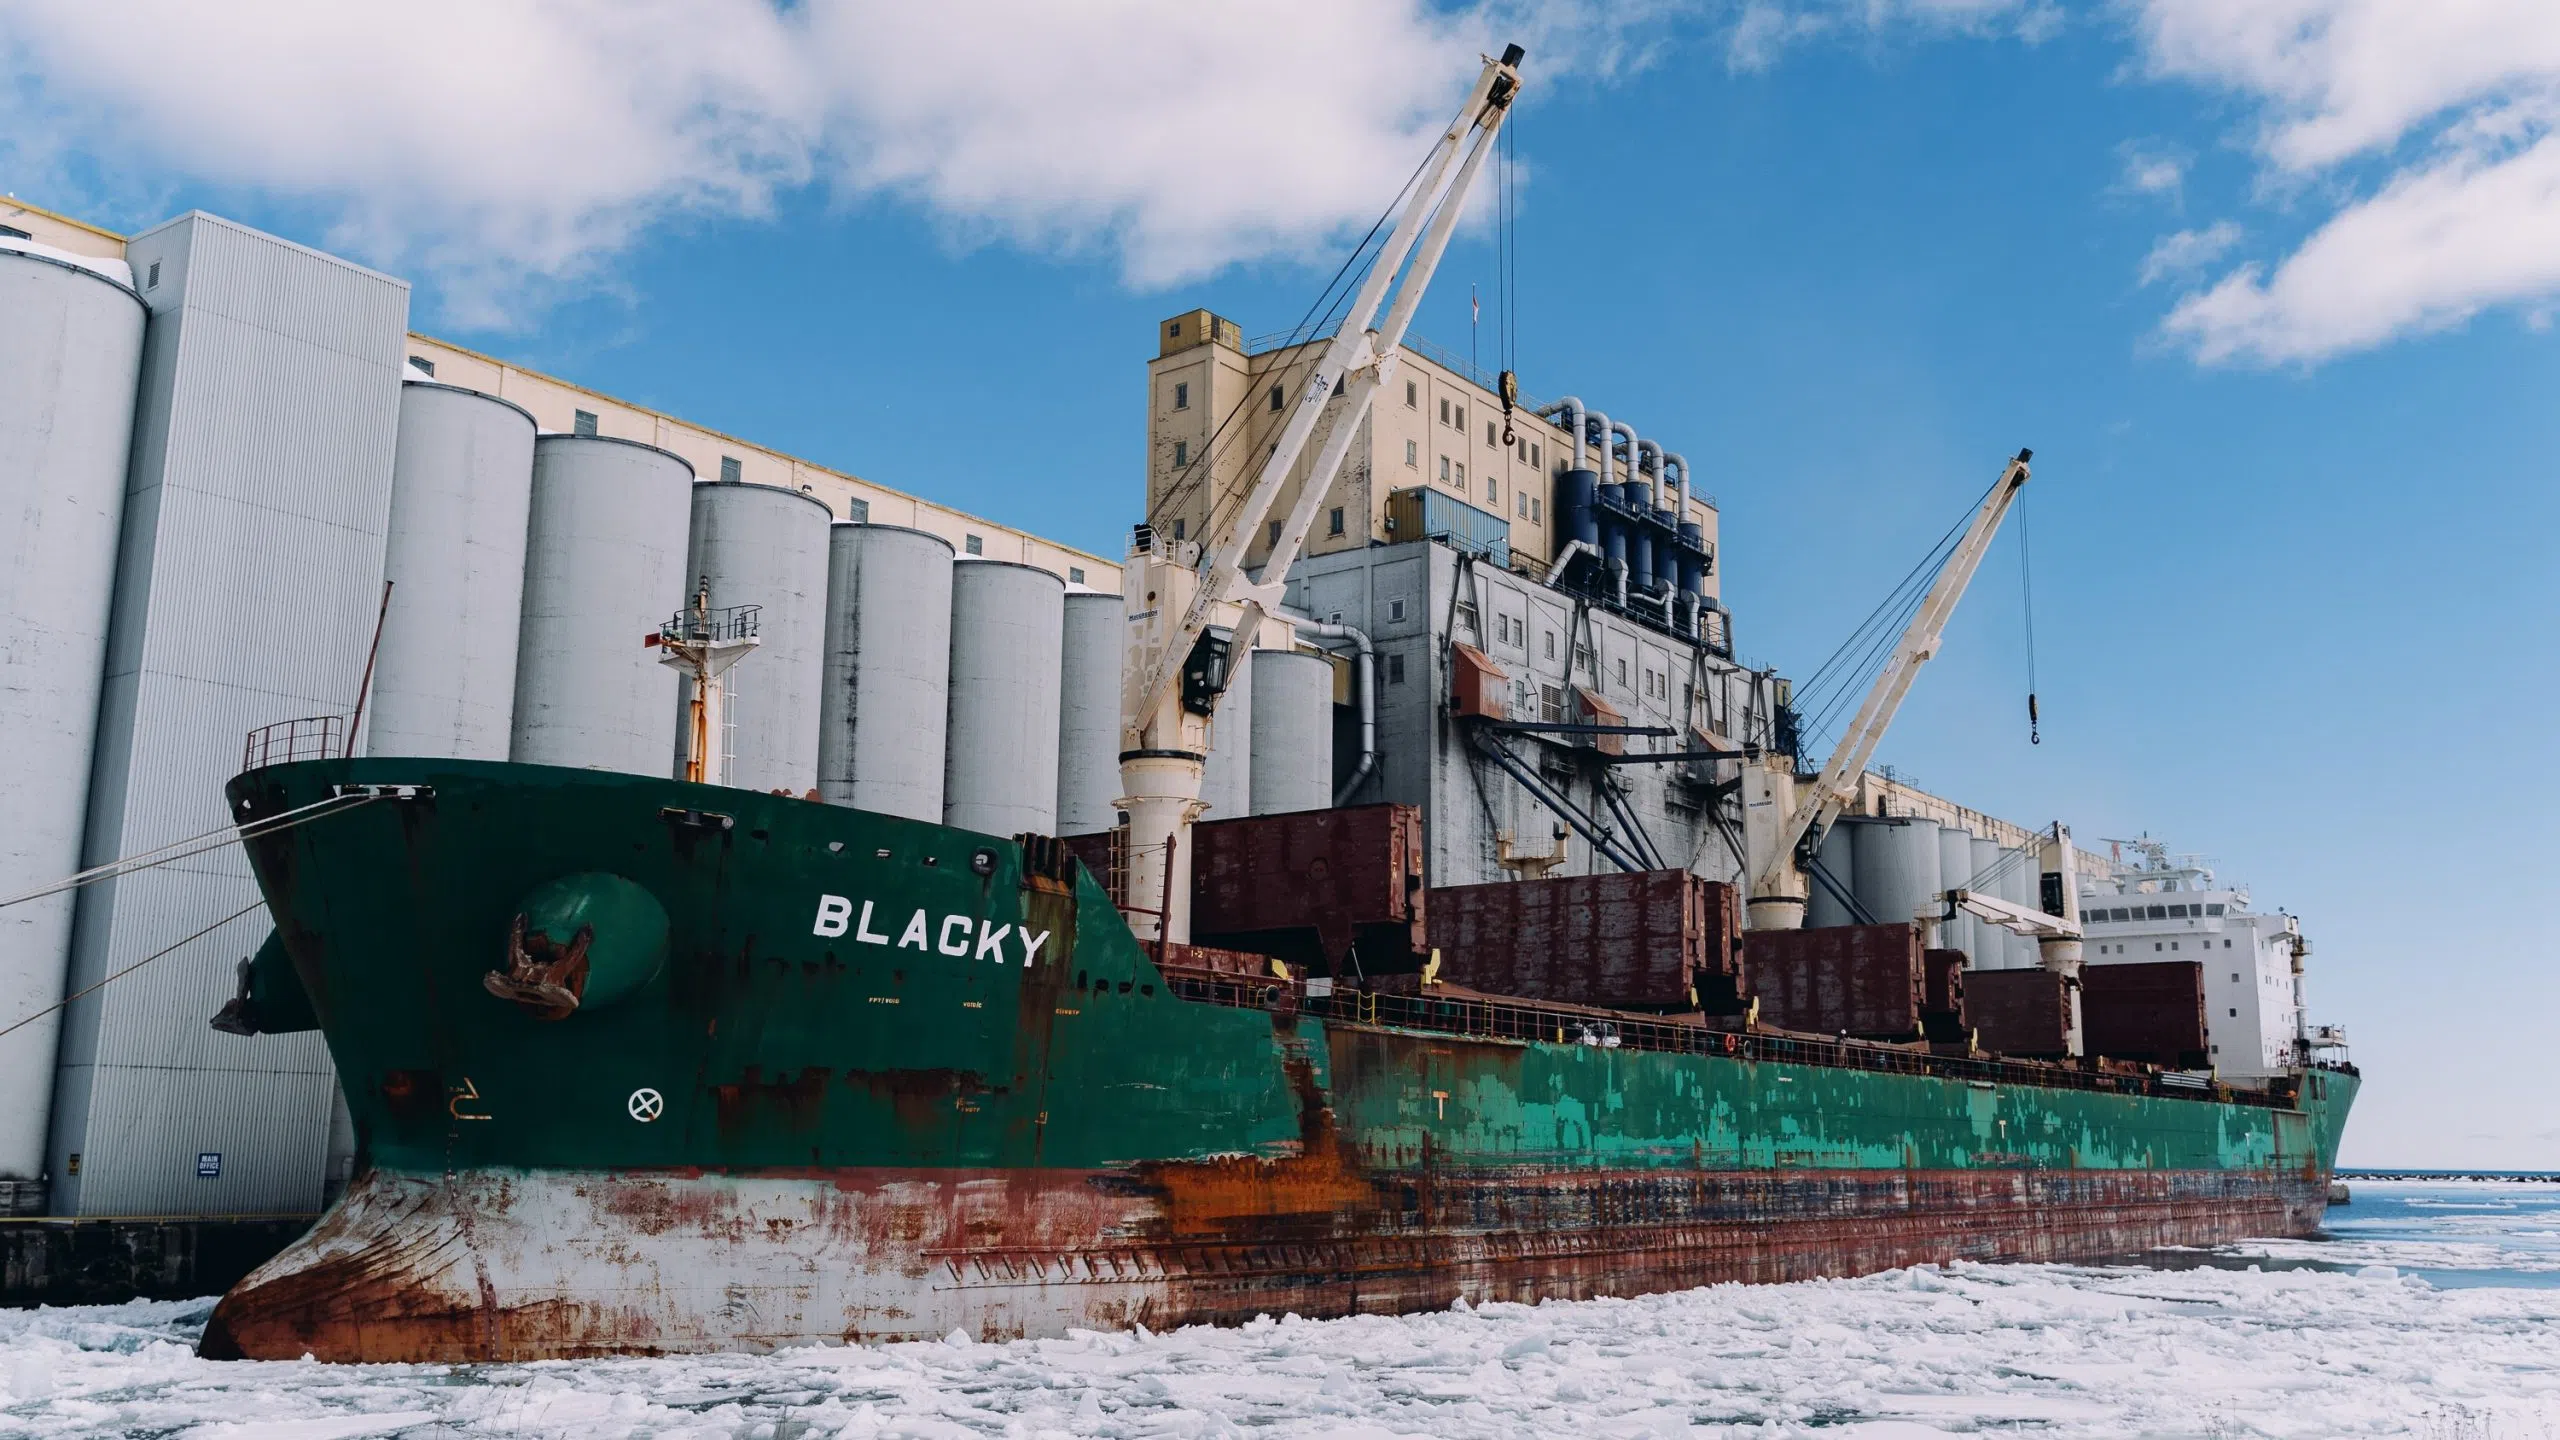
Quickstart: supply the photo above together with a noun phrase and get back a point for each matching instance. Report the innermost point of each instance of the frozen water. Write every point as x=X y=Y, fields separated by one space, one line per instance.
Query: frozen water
x=2348 y=1336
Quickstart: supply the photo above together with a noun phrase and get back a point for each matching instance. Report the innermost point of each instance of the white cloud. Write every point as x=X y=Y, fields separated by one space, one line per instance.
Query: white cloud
x=2441 y=243
x=2188 y=251
x=2152 y=169
x=1764 y=29
x=2456 y=102
x=507 y=145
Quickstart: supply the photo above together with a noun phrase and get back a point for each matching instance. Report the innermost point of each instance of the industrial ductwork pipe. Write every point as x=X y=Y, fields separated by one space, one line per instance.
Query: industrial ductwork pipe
x=1368 y=701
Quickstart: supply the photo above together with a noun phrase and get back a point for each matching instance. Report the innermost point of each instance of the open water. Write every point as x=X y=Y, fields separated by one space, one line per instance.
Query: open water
x=2429 y=1309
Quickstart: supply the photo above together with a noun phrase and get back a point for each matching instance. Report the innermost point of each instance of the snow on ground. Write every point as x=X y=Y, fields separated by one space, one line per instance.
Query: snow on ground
x=2223 y=1349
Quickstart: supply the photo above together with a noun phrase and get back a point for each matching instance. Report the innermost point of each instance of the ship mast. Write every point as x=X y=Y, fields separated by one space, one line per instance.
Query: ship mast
x=704 y=644
x=1175 y=668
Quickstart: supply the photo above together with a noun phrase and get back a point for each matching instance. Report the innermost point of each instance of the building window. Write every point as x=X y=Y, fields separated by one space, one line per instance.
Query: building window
x=1181 y=453
x=2235 y=977
x=1412 y=396
x=1174 y=330
x=1533 y=452
x=1461 y=480
x=1413 y=454
x=1551 y=644
x=731 y=471
x=1075 y=574
x=1462 y=417
x=1182 y=395
x=1490 y=437
x=974 y=545
x=1275 y=397
x=1582 y=660
x=1444 y=412
x=1522 y=502
x=1178 y=527
x=151 y=281
x=2226 y=944
x=423 y=366
x=582 y=422
x=1537 y=511
x=1444 y=469
x=1622 y=674
x=2235 y=1012
x=1333 y=521
x=1467 y=618
x=1275 y=534
x=1493 y=493
x=1395 y=609
x=858 y=511
x=1395 y=669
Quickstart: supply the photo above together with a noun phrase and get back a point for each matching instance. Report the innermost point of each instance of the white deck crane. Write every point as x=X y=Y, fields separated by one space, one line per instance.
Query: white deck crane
x=1779 y=825
x=1171 y=677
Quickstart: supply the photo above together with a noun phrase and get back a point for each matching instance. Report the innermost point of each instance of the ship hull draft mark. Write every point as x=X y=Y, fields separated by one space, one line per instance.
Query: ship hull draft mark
x=850 y=1077
x=513 y=1266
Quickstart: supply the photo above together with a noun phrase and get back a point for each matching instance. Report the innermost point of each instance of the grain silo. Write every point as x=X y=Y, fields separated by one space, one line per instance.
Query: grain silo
x=1291 y=732
x=1089 y=713
x=765 y=546
x=604 y=568
x=885 y=685
x=444 y=683
x=1000 y=766
x=67 y=384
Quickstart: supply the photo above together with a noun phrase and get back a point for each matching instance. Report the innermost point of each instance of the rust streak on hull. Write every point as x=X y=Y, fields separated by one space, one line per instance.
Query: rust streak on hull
x=511 y=1266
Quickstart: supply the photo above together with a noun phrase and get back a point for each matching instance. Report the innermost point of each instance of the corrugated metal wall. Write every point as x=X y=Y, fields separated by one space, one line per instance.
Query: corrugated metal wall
x=247 y=585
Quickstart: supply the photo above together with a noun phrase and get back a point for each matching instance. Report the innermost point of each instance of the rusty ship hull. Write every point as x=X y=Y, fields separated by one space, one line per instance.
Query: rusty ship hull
x=886 y=1080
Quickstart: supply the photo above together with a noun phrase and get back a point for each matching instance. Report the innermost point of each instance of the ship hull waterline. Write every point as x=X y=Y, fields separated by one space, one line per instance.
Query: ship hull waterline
x=840 y=1113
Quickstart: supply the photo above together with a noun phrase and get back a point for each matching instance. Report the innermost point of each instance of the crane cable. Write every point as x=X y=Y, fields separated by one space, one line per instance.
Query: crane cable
x=193 y=846
x=168 y=854
x=2027 y=593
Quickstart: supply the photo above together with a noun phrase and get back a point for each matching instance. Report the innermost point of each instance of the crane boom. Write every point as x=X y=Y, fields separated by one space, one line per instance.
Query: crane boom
x=1807 y=821
x=1166 y=701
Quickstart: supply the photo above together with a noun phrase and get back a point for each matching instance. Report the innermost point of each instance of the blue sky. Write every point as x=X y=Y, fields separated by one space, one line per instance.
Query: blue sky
x=2292 y=525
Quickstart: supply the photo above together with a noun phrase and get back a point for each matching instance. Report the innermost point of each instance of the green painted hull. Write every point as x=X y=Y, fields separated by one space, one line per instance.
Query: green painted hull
x=856 y=1061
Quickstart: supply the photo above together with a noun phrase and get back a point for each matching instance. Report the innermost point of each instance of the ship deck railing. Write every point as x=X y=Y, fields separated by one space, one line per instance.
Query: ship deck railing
x=1480 y=1018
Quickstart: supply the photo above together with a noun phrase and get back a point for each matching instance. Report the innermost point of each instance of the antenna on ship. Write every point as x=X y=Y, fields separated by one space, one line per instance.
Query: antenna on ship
x=704 y=643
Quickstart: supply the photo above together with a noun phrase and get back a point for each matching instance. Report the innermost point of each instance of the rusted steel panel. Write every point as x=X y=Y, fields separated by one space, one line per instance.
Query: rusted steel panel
x=1653 y=939
x=1477 y=686
x=1214 y=961
x=1864 y=980
x=2019 y=1012
x=2152 y=1011
x=1311 y=885
x=480 y=1266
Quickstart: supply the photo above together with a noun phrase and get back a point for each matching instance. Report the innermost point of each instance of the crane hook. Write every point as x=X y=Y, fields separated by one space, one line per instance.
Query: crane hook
x=2033 y=736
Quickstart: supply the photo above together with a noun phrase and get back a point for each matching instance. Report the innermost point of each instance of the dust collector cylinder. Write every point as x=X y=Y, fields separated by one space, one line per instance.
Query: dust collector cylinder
x=603 y=569
x=1089 y=714
x=1897 y=869
x=887 y=678
x=1955 y=863
x=1000 y=770
x=68 y=376
x=444 y=681
x=1292 y=732
x=1838 y=858
x=1991 y=943
x=764 y=546
x=1577 y=491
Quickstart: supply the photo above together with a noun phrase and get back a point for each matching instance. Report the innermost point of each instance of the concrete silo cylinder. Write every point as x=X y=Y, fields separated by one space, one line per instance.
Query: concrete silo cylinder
x=1000 y=766
x=887 y=678
x=1292 y=730
x=765 y=546
x=604 y=568
x=68 y=376
x=444 y=682
x=1089 y=714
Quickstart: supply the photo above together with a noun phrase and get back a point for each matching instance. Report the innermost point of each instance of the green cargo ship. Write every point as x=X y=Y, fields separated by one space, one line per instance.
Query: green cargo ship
x=757 y=1071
